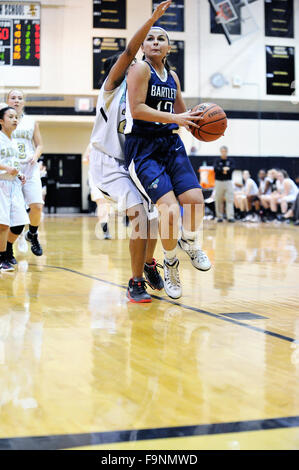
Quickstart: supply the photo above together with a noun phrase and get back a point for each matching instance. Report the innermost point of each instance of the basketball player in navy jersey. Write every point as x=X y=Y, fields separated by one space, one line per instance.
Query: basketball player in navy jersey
x=107 y=164
x=156 y=156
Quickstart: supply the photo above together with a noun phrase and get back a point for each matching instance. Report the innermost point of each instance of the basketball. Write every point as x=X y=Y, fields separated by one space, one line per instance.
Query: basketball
x=213 y=124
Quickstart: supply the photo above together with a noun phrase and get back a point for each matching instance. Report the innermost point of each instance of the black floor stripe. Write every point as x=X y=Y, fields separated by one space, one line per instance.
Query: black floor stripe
x=69 y=441
x=187 y=307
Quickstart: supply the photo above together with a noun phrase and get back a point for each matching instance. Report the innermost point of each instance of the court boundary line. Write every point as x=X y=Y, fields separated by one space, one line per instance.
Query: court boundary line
x=68 y=441
x=187 y=307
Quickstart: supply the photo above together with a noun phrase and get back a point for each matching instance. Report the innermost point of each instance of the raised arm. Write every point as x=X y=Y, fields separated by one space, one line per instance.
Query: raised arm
x=118 y=71
x=137 y=82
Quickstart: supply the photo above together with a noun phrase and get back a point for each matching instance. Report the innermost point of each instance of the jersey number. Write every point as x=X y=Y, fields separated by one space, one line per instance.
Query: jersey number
x=166 y=107
x=22 y=153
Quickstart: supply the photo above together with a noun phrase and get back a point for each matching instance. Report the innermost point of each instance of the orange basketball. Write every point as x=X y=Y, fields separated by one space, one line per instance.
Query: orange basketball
x=213 y=124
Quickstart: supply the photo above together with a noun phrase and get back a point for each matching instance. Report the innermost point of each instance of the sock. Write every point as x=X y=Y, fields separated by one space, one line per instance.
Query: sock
x=33 y=229
x=9 y=247
x=151 y=263
x=190 y=237
x=137 y=279
x=2 y=255
x=170 y=256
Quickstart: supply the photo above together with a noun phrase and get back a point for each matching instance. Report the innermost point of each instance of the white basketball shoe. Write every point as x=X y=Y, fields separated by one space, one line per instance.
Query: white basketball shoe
x=172 y=284
x=197 y=256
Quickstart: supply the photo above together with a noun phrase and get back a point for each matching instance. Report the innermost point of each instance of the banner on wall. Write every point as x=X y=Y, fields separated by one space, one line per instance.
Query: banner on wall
x=103 y=48
x=176 y=60
x=280 y=67
x=110 y=14
x=173 y=18
x=279 y=18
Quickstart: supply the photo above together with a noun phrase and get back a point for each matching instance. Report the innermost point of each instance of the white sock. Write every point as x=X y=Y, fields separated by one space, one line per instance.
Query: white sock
x=190 y=237
x=170 y=256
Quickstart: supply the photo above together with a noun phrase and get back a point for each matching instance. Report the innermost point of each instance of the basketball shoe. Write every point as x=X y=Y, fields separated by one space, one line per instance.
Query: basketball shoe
x=35 y=245
x=136 y=291
x=172 y=284
x=152 y=275
x=197 y=256
x=5 y=266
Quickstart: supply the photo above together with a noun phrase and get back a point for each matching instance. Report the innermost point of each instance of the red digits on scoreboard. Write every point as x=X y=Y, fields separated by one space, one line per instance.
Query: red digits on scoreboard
x=4 y=34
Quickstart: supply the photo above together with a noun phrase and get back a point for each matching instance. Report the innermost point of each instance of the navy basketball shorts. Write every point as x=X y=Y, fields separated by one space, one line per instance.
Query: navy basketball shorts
x=159 y=165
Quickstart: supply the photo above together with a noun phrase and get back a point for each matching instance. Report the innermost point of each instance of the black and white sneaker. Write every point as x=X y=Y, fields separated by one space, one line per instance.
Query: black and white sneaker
x=136 y=292
x=5 y=266
x=172 y=284
x=152 y=275
x=35 y=245
x=197 y=256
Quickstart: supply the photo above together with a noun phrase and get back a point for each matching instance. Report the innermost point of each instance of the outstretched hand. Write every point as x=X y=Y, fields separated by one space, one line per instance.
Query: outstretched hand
x=187 y=119
x=160 y=10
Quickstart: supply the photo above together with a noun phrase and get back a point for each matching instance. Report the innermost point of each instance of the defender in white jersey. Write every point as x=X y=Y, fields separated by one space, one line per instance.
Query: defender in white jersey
x=103 y=206
x=107 y=164
x=29 y=141
x=12 y=204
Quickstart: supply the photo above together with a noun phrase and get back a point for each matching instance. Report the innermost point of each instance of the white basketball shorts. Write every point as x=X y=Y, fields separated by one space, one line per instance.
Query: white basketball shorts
x=111 y=177
x=12 y=204
x=32 y=189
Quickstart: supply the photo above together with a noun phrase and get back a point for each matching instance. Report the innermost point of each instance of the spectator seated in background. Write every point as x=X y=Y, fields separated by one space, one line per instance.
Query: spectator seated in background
x=293 y=213
x=270 y=189
x=289 y=191
x=264 y=189
x=244 y=199
x=286 y=194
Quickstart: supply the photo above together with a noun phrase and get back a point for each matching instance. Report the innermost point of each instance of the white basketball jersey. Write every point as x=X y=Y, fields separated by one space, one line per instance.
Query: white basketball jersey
x=9 y=156
x=23 y=135
x=108 y=130
x=294 y=188
x=254 y=189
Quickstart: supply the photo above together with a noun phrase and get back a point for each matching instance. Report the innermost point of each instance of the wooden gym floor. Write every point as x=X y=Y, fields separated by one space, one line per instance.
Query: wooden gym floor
x=81 y=368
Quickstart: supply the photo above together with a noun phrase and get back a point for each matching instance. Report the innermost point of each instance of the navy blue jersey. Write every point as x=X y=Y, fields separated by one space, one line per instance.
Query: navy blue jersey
x=161 y=95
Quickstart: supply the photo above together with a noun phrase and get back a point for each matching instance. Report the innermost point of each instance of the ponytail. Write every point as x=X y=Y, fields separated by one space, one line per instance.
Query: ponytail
x=167 y=64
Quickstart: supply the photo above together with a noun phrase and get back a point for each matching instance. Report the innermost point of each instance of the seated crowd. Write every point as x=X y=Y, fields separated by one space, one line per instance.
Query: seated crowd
x=274 y=197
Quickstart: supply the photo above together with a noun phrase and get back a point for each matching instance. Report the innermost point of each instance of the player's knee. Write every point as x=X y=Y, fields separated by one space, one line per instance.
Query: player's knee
x=3 y=227
x=193 y=198
x=36 y=207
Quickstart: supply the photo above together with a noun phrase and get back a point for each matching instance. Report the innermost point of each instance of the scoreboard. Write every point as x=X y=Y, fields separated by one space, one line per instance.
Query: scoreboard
x=19 y=44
